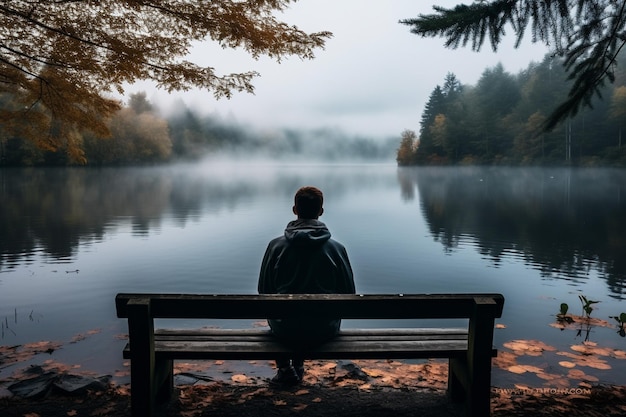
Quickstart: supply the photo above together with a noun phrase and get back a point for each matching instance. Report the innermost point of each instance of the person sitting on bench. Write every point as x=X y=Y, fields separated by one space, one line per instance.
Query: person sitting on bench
x=305 y=260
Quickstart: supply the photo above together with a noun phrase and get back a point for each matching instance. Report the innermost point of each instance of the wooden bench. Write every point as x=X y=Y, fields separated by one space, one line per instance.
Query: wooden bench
x=469 y=349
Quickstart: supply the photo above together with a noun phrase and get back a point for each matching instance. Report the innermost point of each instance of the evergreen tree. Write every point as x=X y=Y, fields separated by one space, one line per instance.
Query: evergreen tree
x=435 y=105
x=588 y=34
x=497 y=93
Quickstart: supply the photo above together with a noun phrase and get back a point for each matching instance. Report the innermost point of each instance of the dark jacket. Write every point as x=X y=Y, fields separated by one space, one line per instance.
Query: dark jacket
x=305 y=260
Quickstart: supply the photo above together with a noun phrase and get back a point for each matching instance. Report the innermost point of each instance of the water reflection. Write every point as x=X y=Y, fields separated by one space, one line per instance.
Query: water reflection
x=566 y=223
x=48 y=213
x=51 y=211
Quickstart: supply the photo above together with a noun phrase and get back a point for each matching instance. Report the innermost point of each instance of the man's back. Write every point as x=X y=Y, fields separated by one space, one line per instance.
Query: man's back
x=306 y=261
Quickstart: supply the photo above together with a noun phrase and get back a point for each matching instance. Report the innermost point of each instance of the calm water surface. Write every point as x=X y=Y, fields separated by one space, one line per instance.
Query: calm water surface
x=70 y=239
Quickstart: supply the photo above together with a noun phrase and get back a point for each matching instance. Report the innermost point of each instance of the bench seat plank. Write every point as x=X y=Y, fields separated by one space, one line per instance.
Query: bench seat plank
x=336 y=350
x=349 y=344
x=355 y=335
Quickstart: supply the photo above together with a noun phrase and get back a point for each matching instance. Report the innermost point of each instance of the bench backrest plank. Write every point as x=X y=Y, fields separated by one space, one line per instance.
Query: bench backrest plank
x=368 y=306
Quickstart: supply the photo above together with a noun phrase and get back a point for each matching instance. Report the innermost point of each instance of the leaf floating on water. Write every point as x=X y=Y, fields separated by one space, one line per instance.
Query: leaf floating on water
x=82 y=336
x=517 y=369
x=581 y=375
x=533 y=369
x=589 y=361
x=528 y=347
x=567 y=364
x=504 y=360
x=590 y=348
x=280 y=402
x=619 y=354
x=44 y=346
x=299 y=407
x=549 y=377
x=574 y=322
x=599 y=364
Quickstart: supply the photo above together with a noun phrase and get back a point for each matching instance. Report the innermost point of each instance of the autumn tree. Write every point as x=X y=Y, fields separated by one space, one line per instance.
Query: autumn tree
x=588 y=34
x=60 y=60
x=138 y=135
x=406 y=151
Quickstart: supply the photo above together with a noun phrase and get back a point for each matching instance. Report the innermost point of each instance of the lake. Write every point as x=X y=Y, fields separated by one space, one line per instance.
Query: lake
x=71 y=238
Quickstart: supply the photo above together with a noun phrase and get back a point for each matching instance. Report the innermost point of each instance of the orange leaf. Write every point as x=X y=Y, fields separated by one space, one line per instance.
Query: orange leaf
x=242 y=379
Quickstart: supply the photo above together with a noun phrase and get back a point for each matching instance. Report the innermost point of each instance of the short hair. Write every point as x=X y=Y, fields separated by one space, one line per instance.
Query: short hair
x=308 y=201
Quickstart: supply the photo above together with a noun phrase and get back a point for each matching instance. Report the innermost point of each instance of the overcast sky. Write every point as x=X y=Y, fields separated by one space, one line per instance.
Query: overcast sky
x=373 y=78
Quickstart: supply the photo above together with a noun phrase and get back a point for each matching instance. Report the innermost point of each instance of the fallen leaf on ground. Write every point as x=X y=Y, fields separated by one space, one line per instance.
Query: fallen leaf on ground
x=242 y=379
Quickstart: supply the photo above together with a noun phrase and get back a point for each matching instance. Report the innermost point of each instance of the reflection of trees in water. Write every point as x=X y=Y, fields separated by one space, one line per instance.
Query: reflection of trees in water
x=51 y=211
x=564 y=222
x=56 y=209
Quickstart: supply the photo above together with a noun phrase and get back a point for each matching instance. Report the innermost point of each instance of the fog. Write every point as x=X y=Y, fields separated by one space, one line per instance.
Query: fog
x=373 y=78
x=196 y=135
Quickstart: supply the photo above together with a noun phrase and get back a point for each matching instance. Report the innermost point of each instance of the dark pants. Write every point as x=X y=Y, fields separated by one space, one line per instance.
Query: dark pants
x=300 y=334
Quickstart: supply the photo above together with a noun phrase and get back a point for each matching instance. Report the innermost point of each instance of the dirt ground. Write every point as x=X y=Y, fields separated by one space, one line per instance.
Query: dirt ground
x=364 y=389
x=235 y=400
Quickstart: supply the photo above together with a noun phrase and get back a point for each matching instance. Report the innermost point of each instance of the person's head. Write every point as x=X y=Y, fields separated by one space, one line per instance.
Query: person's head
x=308 y=203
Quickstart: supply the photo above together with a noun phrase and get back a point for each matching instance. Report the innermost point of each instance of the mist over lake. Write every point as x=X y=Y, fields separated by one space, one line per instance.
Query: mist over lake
x=71 y=238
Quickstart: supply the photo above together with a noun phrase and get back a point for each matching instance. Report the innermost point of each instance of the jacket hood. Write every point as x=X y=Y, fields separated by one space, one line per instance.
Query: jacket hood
x=306 y=232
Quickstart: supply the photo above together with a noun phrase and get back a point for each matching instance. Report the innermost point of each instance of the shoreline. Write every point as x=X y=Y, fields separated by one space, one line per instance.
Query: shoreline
x=331 y=389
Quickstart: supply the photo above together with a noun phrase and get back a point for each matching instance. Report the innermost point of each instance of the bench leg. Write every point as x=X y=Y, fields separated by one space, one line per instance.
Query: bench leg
x=471 y=387
x=142 y=362
x=456 y=371
x=141 y=387
x=479 y=389
x=164 y=377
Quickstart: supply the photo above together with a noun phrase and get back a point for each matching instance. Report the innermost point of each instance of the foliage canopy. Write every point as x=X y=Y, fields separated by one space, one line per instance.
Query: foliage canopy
x=59 y=58
x=588 y=34
x=500 y=120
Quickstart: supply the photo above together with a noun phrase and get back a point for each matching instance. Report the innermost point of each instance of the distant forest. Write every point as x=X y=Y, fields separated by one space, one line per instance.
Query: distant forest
x=140 y=134
x=499 y=121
